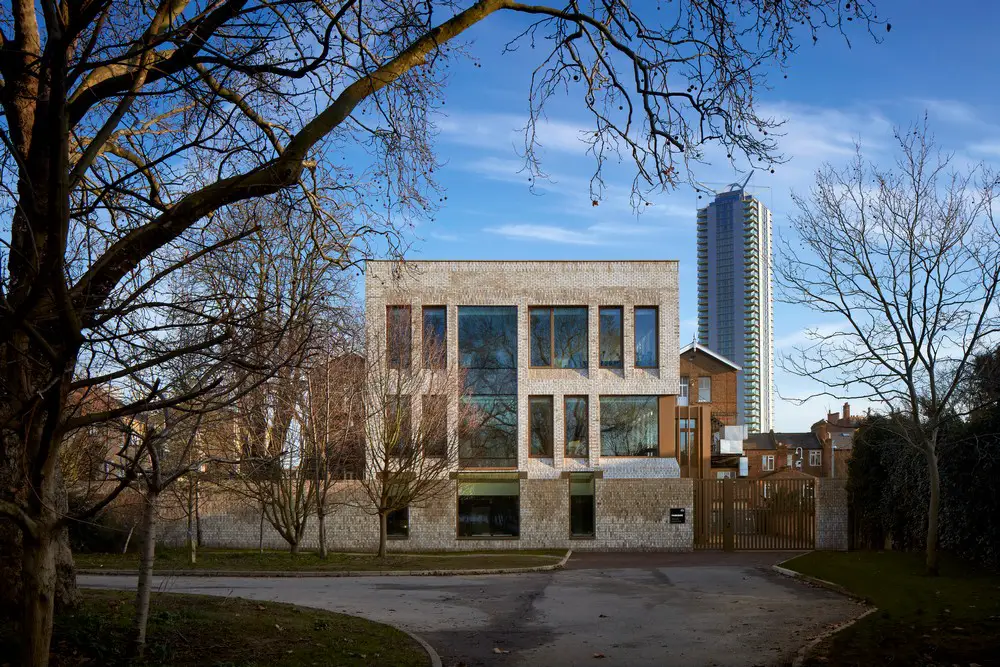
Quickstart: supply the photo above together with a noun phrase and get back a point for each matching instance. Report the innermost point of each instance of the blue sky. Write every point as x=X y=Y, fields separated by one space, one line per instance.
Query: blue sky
x=937 y=58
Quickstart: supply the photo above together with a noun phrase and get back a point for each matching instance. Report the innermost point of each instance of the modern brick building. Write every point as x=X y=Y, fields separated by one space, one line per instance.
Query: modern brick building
x=572 y=369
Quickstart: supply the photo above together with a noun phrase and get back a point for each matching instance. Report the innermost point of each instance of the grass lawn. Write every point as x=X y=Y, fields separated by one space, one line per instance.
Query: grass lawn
x=953 y=619
x=251 y=560
x=220 y=632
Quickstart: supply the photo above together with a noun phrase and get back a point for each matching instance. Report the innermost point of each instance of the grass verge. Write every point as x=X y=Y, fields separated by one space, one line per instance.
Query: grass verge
x=308 y=561
x=189 y=630
x=952 y=619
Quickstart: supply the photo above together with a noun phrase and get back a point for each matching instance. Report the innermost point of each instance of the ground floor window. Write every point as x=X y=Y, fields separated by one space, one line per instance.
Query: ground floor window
x=581 y=505
x=630 y=426
x=397 y=524
x=489 y=508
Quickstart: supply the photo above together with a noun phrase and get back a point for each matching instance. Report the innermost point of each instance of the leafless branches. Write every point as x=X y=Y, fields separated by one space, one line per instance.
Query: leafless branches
x=908 y=260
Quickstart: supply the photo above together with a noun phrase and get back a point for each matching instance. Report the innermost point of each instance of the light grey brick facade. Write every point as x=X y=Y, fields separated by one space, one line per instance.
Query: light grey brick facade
x=525 y=284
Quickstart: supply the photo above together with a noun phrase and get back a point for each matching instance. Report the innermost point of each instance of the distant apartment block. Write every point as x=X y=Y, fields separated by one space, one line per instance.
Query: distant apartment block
x=735 y=309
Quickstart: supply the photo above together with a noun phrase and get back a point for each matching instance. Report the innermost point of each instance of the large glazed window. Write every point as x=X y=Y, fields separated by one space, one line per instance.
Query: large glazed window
x=629 y=426
x=488 y=435
x=577 y=422
x=487 y=351
x=611 y=336
x=559 y=337
x=435 y=331
x=646 y=338
x=489 y=509
x=581 y=504
x=540 y=424
x=398 y=336
x=487 y=348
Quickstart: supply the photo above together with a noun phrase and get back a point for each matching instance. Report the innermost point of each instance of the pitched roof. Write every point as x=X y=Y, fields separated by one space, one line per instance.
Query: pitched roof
x=807 y=440
x=771 y=440
x=692 y=346
x=759 y=441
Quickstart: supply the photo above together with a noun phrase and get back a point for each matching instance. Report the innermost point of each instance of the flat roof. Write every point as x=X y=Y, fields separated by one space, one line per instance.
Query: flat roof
x=528 y=261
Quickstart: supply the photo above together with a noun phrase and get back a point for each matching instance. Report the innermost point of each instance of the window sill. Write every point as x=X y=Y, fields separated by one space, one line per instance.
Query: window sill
x=583 y=537
x=395 y=538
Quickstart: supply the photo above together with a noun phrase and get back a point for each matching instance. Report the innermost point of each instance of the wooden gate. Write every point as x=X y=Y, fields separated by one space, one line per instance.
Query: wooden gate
x=742 y=514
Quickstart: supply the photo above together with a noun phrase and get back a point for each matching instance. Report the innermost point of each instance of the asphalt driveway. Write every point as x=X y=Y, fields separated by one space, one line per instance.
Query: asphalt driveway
x=647 y=609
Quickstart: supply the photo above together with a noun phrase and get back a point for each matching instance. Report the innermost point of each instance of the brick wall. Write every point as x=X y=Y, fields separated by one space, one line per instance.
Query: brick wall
x=631 y=515
x=831 y=514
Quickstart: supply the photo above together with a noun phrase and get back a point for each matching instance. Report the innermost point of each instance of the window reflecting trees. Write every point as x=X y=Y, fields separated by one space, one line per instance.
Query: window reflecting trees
x=487 y=349
x=646 y=338
x=629 y=426
x=559 y=337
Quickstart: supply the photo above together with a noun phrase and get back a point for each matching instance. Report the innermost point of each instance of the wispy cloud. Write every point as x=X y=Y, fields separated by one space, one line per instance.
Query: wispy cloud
x=501 y=132
x=592 y=235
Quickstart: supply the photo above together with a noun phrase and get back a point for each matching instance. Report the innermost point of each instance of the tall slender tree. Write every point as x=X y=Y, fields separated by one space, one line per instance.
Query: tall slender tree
x=908 y=259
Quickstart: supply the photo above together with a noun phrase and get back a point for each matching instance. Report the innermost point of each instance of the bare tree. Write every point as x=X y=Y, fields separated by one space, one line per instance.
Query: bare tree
x=908 y=258
x=333 y=427
x=126 y=127
x=411 y=444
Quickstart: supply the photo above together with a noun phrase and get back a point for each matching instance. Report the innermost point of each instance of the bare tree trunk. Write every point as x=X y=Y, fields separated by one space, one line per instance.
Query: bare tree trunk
x=197 y=513
x=192 y=541
x=293 y=548
x=260 y=545
x=145 y=576
x=321 y=517
x=38 y=575
x=383 y=530
x=934 y=507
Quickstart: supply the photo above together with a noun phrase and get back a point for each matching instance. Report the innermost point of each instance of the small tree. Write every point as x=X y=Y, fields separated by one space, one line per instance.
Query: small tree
x=909 y=259
x=410 y=442
x=333 y=428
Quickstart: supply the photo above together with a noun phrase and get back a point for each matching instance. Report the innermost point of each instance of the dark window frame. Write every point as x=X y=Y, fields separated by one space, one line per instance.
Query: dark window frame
x=551 y=431
x=389 y=524
x=686 y=454
x=394 y=363
x=586 y=410
x=621 y=338
x=423 y=409
x=552 y=337
x=656 y=333
x=593 y=505
x=503 y=390
x=651 y=451
x=423 y=337
x=405 y=437
x=458 y=511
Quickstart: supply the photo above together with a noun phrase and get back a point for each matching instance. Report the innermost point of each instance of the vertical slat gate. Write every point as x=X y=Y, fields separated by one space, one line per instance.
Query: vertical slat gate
x=745 y=514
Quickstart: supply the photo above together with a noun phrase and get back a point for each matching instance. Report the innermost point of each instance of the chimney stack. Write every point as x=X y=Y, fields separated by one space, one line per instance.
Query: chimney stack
x=847 y=413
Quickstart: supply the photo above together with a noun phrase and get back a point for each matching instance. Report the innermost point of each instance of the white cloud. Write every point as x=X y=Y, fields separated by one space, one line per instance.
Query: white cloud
x=598 y=234
x=502 y=132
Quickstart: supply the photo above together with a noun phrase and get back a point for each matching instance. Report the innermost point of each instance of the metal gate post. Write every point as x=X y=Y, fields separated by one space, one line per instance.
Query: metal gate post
x=728 y=515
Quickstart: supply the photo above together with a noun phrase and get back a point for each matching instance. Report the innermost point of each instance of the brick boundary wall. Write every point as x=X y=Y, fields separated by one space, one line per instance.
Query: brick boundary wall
x=631 y=514
x=831 y=514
